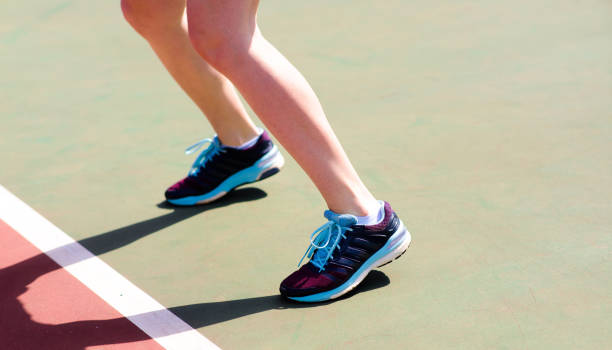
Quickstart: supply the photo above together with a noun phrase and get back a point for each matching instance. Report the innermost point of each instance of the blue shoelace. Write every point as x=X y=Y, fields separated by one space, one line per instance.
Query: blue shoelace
x=207 y=154
x=323 y=243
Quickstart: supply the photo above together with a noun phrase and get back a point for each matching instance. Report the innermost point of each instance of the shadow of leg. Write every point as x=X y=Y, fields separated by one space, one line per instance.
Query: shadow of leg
x=111 y=240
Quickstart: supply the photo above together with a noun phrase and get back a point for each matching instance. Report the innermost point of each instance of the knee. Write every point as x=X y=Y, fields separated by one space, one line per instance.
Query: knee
x=222 y=47
x=150 y=17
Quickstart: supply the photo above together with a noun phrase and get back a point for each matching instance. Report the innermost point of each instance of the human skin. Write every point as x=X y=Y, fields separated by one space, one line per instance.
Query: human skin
x=163 y=23
x=225 y=41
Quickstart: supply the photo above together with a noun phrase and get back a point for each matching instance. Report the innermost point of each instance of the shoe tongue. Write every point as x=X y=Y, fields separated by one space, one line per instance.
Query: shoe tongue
x=344 y=220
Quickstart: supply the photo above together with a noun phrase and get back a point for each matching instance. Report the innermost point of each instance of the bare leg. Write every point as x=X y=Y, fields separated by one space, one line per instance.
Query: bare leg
x=163 y=24
x=225 y=33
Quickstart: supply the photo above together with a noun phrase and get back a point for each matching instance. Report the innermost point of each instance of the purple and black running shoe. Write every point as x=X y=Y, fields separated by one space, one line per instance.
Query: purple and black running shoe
x=342 y=253
x=219 y=169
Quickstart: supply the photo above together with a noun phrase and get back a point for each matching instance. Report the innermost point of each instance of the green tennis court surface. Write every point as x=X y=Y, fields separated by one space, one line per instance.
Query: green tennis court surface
x=487 y=126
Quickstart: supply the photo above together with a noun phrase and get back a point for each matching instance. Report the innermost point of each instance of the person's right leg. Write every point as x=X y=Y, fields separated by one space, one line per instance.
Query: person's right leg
x=218 y=169
x=163 y=24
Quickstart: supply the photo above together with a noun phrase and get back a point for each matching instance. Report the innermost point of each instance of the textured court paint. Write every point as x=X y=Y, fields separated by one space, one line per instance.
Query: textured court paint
x=494 y=119
x=100 y=279
x=43 y=306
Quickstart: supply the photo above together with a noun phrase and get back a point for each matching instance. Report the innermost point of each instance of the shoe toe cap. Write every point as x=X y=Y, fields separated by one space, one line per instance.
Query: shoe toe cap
x=182 y=188
x=305 y=281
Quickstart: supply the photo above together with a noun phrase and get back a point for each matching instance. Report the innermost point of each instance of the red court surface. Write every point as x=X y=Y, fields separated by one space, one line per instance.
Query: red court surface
x=42 y=306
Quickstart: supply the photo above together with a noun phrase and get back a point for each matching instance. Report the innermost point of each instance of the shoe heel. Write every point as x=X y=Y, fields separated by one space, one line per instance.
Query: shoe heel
x=399 y=243
x=268 y=173
x=393 y=259
x=271 y=166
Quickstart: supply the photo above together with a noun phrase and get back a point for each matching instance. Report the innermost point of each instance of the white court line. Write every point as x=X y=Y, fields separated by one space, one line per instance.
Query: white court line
x=141 y=309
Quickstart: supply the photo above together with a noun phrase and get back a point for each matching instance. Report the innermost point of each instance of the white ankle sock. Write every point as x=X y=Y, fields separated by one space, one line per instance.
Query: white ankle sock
x=250 y=142
x=375 y=215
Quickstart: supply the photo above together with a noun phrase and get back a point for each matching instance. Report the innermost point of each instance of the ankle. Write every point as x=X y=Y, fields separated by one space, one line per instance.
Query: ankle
x=375 y=215
x=239 y=139
x=359 y=206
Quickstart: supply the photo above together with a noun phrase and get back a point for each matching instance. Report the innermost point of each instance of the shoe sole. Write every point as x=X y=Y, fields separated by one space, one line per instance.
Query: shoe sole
x=394 y=248
x=265 y=167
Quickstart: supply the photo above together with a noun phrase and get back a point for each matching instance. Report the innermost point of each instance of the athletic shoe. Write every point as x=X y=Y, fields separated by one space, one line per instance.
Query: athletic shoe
x=342 y=253
x=219 y=169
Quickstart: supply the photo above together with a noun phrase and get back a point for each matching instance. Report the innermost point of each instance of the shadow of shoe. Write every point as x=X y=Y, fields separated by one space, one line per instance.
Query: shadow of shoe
x=205 y=314
x=243 y=194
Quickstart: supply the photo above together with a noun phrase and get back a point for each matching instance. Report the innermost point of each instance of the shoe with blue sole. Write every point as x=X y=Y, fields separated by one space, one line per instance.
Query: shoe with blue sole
x=219 y=169
x=342 y=254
